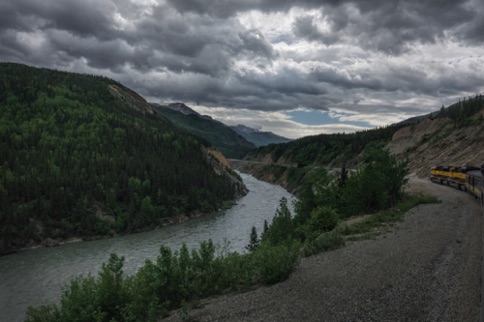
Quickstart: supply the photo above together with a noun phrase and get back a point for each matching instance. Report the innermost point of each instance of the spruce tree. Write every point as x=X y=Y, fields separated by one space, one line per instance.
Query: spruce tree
x=254 y=240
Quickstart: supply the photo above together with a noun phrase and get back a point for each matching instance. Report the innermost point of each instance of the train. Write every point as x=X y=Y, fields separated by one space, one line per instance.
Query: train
x=466 y=178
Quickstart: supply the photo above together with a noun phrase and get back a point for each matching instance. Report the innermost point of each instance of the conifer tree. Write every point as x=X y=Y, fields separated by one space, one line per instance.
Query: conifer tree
x=254 y=240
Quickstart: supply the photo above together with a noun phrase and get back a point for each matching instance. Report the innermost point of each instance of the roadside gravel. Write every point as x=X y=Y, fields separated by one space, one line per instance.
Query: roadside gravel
x=426 y=268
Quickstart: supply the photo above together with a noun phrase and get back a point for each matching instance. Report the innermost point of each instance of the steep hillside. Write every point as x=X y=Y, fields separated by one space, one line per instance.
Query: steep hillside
x=440 y=142
x=259 y=138
x=221 y=136
x=83 y=156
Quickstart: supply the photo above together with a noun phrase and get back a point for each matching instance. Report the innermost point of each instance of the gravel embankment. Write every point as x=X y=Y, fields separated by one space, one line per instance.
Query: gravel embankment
x=426 y=268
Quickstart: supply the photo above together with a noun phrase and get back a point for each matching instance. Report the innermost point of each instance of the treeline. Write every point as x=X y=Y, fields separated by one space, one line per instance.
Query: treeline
x=76 y=161
x=461 y=111
x=324 y=149
x=179 y=279
x=295 y=160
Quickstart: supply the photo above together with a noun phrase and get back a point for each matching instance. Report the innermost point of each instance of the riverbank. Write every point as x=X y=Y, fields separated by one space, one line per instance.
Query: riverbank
x=425 y=268
x=173 y=220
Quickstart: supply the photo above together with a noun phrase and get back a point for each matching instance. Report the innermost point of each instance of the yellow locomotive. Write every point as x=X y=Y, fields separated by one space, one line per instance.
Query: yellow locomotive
x=467 y=178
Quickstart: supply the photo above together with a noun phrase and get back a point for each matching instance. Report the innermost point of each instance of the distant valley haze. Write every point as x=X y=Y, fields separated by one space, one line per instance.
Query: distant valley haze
x=294 y=68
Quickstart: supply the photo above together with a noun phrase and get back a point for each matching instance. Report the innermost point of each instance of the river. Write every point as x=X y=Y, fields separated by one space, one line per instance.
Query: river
x=35 y=277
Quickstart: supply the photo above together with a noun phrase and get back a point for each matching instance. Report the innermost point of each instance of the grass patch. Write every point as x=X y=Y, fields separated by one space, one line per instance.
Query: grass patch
x=364 y=229
x=386 y=217
x=326 y=241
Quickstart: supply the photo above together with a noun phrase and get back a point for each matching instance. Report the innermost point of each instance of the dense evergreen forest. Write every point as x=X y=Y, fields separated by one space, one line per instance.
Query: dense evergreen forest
x=77 y=161
x=293 y=161
x=324 y=149
x=462 y=111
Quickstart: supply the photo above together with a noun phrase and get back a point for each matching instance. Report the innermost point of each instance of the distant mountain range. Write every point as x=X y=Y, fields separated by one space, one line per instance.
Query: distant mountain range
x=259 y=138
x=219 y=135
x=233 y=141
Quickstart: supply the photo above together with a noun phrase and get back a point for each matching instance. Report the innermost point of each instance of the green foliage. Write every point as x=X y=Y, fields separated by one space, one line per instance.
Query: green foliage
x=275 y=263
x=175 y=279
x=324 y=199
x=324 y=242
x=388 y=216
x=254 y=239
x=76 y=154
x=376 y=185
x=275 y=169
x=315 y=191
x=323 y=218
x=90 y=299
x=461 y=112
x=327 y=148
x=282 y=228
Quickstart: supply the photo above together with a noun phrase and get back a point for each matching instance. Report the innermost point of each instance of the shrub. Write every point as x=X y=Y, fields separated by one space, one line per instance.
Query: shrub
x=323 y=219
x=274 y=263
x=324 y=242
x=90 y=299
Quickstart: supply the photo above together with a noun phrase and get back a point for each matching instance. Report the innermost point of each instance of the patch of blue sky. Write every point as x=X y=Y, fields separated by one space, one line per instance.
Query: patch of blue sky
x=315 y=117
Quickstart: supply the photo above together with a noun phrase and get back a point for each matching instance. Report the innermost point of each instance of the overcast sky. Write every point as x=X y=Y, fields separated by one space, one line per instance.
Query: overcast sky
x=291 y=67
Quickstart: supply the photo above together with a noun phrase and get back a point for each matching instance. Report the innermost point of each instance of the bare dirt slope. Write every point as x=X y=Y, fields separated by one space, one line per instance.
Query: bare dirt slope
x=438 y=142
x=426 y=268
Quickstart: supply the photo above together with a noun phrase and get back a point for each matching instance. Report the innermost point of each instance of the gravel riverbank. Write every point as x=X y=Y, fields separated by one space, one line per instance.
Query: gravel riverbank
x=426 y=268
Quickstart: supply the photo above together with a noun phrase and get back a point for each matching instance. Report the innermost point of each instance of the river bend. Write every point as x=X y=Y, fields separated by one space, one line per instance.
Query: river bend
x=35 y=277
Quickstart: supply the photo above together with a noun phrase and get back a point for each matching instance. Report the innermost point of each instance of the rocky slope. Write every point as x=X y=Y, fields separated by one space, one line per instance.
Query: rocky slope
x=437 y=142
x=223 y=167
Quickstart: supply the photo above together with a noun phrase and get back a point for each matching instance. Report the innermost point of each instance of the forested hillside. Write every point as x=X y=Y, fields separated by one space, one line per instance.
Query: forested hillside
x=288 y=163
x=78 y=160
x=221 y=136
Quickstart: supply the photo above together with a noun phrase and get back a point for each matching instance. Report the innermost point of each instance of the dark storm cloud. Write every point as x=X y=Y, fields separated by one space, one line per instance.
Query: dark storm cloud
x=329 y=53
x=389 y=26
x=228 y=8
x=384 y=25
x=82 y=18
x=162 y=39
x=305 y=27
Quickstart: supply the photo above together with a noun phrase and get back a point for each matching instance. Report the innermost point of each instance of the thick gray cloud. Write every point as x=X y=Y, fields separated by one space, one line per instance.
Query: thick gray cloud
x=389 y=56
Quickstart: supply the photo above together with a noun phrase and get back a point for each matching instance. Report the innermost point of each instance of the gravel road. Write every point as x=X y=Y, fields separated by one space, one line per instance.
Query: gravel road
x=426 y=268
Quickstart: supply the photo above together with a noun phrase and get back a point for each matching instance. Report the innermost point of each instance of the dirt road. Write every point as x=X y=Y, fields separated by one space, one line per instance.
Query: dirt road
x=426 y=268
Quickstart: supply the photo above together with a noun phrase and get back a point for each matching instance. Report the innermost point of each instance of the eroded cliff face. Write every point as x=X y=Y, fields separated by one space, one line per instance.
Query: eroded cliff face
x=438 y=142
x=222 y=167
